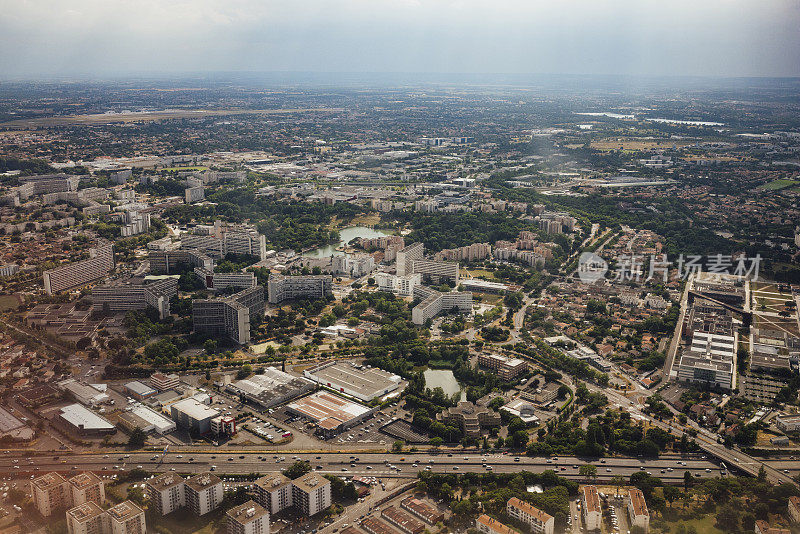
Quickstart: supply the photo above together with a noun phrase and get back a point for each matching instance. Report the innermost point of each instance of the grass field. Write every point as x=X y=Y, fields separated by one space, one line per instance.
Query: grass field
x=8 y=302
x=777 y=185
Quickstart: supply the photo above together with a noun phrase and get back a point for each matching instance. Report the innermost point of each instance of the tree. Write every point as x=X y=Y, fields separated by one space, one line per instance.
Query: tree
x=728 y=518
x=688 y=480
x=297 y=469
x=618 y=481
x=244 y=372
x=588 y=471
x=397 y=446
x=671 y=493
x=137 y=439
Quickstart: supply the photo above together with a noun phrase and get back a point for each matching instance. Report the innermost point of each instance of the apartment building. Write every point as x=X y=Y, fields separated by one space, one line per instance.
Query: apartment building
x=487 y=525
x=637 y=509
x=175 y=261
x=354 y=266
x=274 y=492
x=126 y=518
x=229 y=316
x=540 y=522
x=473 y=252
x=311 y=494
x=87 y=487
x=80 y=273
x=87 y=518
x=436 y=271
x=435 y=302
x=590 y=508
x=221 y=281
x=203 y=493
x=223 y=239
x=51 y=493
x=194 y=194
x=167 y=493
x=506 y=368
x=248 y=518
x=123 y=297
x=406 y=256
x=280 y=288
x=402 y=285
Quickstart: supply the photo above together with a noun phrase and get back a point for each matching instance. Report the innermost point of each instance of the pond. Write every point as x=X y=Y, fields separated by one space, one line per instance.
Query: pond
x=442 y=378
x=346 y=235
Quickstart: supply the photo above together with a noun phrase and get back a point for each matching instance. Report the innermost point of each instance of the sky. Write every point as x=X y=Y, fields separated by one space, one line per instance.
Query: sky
x=727 y=38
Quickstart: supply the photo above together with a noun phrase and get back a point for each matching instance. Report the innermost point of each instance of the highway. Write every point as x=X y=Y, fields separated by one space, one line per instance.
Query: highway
x=406 y=465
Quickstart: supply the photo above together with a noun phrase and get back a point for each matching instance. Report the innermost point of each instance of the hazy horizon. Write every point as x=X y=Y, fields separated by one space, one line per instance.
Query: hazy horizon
x=114 y=38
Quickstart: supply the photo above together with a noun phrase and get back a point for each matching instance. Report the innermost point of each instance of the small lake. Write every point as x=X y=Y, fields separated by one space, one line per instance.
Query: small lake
x=442 y=378
x=689 y=123
x=346 y=235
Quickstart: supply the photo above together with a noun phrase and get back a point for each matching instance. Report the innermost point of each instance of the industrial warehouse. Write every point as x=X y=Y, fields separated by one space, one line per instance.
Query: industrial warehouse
x=331 y=413
x=358 y=381
x=271 y=388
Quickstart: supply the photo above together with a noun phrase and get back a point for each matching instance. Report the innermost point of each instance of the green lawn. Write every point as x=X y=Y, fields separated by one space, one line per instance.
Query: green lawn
x=8 y=302
x=775 y=185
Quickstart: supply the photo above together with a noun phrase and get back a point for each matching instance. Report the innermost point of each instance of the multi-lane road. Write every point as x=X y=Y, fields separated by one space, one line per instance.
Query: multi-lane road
x=383 y=465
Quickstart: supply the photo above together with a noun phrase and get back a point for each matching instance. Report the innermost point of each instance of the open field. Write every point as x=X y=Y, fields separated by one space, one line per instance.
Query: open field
x=107 y=118
x=638 y=144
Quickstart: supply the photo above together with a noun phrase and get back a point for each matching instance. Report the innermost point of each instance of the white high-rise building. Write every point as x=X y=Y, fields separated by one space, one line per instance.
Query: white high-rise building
x=274 y=492
x=167 y=493
x=311 y=494
x=51 y=493
x=126 y=518
x=87 y=518
x=204 y=493
x=407 y=255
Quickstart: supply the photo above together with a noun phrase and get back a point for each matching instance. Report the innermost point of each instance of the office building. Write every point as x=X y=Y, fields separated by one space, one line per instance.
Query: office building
x=471 y=418
x=311 y=494
x=487 y=525
x=123 y=297
x=248 y=518
x=638 y=515
x=167 y=493
x=126 y=518
x=274 y=492
x=710 y=361
x=229 y=316
x=87 y=487
x=590 y=508
x=405 y=256
x=223 y=425
x=190 y=414
x=51 y=493
x=163 y=382
x=87 y=518
x=80 y=273
x=506 y=368
x=282 y=288
x=204 y=493
x=540 y=522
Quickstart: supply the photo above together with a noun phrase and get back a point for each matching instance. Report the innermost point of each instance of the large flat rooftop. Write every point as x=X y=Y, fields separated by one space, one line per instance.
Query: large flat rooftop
x=360 y=381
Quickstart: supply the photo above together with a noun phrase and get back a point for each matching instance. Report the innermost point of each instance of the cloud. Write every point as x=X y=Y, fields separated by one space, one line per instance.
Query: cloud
x=679 y=37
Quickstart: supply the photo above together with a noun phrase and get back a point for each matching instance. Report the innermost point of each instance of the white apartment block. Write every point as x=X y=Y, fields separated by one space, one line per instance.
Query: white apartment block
x=435 y=270
x=122 y=297
x=435 y=302
x=637 y=509
x=51 y=493
x=354 y=266
x=126 y=518
x=405 y=256
x=203 y=493
x=475 y=251
x=80 y=273
x=167 y=493
x=274 y=492
x=540 y=522
x=248 y=518
x=194 y=194
x=590 y=508
x=311 y=494
x=220 y=281
x=401 y=285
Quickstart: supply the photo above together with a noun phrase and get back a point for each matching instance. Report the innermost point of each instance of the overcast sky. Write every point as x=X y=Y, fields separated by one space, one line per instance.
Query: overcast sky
x=43 y=38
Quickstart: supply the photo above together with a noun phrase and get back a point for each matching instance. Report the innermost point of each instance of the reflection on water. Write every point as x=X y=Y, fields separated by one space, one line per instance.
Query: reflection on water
x=346 y=235
x=442 y=378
